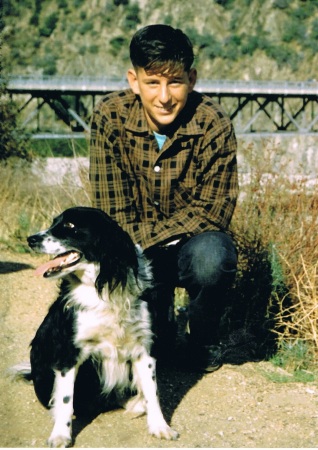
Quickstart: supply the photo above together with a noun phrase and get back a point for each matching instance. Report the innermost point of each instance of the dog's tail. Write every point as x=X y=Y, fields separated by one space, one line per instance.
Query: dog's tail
x=21 y=371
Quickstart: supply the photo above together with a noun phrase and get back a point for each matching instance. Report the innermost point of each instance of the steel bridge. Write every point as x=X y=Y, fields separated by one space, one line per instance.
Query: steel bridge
x=57 y=106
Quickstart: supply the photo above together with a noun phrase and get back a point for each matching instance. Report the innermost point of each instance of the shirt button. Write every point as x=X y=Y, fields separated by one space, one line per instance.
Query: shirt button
x=157 y=168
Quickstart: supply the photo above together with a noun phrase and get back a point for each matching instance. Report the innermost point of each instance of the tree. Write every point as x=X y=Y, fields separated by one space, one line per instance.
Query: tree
x=13 y=141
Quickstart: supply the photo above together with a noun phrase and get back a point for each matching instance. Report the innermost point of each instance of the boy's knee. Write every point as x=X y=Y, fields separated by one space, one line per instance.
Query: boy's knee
x=208 y=259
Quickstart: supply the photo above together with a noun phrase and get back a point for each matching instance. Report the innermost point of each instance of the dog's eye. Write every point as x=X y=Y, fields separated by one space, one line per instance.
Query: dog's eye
x=69 y=225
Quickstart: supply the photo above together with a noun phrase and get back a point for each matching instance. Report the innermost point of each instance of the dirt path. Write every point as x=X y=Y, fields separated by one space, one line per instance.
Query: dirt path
x=237 y=406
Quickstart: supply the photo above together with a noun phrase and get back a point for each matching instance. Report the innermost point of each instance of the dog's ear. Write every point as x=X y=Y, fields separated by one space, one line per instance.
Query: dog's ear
x=118 y=260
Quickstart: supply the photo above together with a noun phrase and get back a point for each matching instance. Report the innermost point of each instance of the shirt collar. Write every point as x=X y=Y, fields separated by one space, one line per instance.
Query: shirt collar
x=137 y=121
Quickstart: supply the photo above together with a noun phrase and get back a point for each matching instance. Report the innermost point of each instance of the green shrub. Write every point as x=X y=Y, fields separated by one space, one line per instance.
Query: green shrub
x=293 y=30
x=282 y=54
x=207 y=44
x=37 y=43
x=82 y=50
x=78 y=3
x=249 y=45
x=168 y=19
x=48 y=64
x=314 y=30
x=93 y=49
x=121 y=2
x=232 y=47
x=85 y=27
x=215 y=49
x=34 y=19
x=311 y=42
x=132 y=17
x=281 y=4
x=71 y=31
x=225 y=3
x=62 y=4
x=10 y=8
x=306 y=10
x=49 y=25
x=117 y=44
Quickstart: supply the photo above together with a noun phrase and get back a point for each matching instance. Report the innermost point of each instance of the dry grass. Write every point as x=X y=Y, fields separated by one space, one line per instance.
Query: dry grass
x=276 y=225
x=298 y=317
x=28 y=203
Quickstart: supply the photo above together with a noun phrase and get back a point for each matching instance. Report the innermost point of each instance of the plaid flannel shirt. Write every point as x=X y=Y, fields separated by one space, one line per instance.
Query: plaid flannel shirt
x=188 y=187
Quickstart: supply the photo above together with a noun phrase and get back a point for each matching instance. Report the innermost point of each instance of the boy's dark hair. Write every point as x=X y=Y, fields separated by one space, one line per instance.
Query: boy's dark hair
x=161 y=48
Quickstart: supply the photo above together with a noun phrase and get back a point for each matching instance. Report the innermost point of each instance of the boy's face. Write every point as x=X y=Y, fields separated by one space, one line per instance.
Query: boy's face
x=163 y=95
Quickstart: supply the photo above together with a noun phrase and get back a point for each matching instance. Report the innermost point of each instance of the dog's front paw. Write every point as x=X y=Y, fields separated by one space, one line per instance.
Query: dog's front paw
x=59 y=441
x=163 y=431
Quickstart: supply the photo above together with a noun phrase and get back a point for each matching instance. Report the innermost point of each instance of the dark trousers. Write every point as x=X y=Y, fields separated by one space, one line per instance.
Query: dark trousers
x=205 y=265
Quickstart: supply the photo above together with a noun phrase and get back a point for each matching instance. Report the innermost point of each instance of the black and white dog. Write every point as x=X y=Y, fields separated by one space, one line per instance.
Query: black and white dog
x=98 y=331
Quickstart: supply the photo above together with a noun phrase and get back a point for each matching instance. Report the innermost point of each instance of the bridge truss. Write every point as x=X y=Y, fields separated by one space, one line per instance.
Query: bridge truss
x=59 y=105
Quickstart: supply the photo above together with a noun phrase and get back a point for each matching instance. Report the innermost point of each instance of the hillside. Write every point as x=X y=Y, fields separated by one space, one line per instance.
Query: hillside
x=242 y=39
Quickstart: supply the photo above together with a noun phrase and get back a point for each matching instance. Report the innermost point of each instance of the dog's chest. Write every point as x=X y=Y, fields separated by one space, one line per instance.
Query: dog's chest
x=111 y=330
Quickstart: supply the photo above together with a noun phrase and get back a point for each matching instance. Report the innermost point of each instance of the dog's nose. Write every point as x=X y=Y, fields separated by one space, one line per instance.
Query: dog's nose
x=32 y=240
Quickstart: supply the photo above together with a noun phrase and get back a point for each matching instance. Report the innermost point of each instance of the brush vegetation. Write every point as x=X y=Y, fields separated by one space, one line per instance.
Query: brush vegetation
x=272 y=310
x=242 y=39
x=275 y=223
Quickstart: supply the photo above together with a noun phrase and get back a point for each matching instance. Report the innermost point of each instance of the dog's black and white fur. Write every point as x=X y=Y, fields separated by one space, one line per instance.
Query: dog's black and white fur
x=98 y=328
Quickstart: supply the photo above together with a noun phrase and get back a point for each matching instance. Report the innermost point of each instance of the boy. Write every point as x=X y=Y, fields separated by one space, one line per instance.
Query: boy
x=163 y=164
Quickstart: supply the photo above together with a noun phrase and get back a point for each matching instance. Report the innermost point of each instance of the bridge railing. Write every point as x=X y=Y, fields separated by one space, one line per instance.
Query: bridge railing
x=254 y=106
x=63 y=83
x=104 y=84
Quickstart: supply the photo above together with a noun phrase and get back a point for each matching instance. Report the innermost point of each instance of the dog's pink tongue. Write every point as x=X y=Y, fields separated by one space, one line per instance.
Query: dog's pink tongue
x=49 y=265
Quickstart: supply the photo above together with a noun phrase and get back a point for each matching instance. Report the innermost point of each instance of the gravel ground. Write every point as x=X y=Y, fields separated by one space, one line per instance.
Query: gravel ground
x=237 y=406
